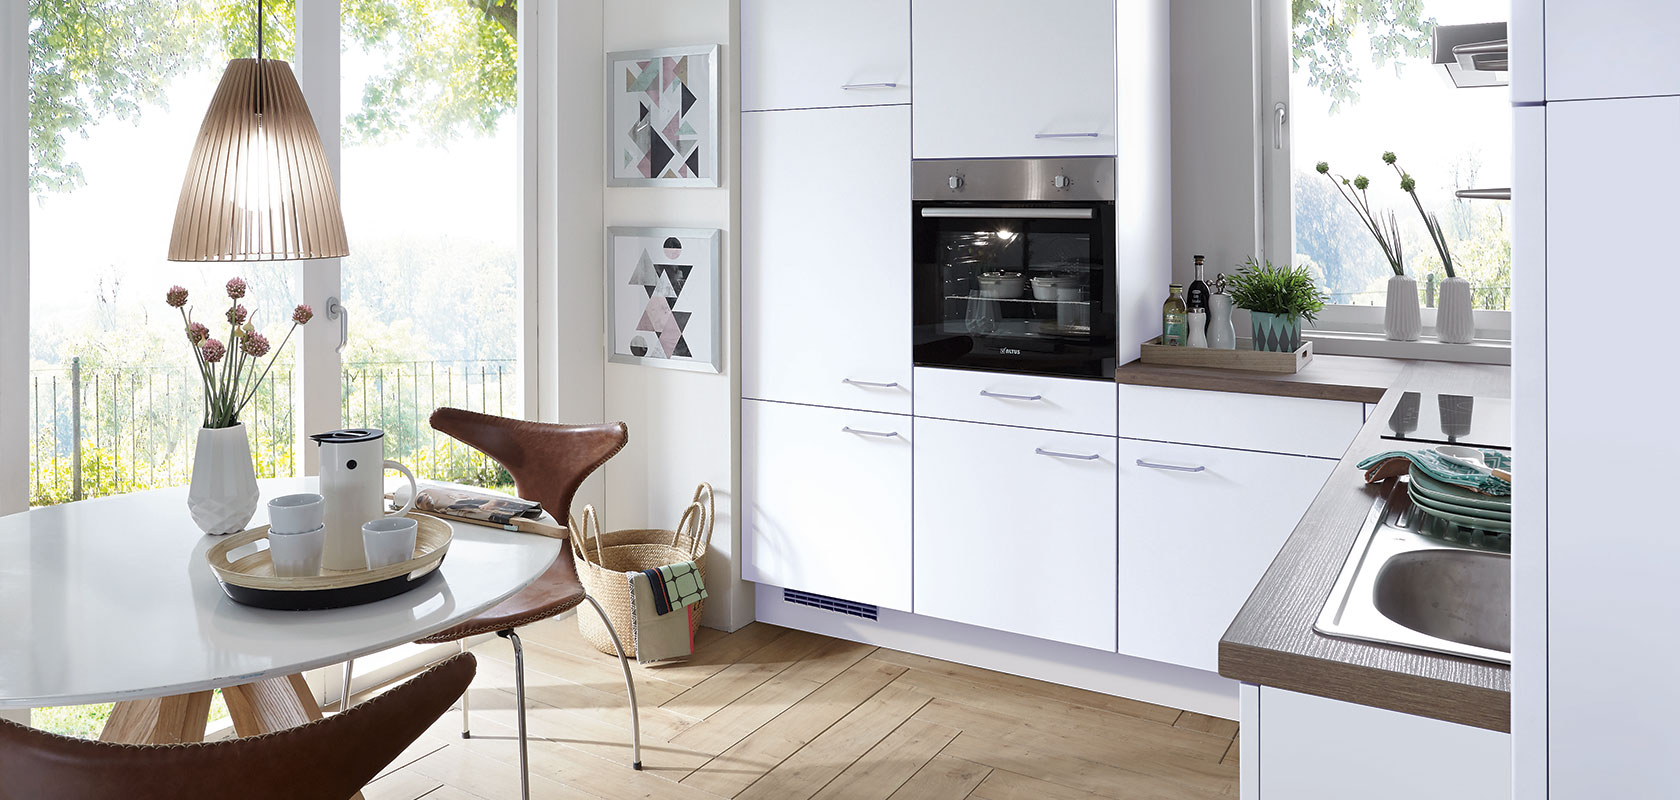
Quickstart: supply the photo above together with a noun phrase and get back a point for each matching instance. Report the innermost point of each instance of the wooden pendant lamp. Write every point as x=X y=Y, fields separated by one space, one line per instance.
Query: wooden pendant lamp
x=258 y=187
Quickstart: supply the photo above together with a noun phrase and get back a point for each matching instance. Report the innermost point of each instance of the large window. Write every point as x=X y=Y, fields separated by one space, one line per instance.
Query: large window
x=1359 y=83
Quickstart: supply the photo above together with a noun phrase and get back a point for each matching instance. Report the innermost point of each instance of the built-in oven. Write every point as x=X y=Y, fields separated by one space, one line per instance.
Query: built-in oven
x=1013 y=265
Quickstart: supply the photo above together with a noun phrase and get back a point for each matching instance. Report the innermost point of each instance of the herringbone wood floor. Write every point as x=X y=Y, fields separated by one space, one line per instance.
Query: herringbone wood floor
x=767 y=712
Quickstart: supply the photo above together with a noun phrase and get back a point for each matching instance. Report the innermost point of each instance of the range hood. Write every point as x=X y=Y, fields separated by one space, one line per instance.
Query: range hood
x=1473 y=55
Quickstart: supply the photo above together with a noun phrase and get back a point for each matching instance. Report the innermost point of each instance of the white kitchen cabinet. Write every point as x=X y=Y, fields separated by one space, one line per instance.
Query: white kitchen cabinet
x=1314 y=748
x=1611 y=547
x=1611 y=48
x=821 y=54
x=1198 y=527
x=826 y=501
x=1005 y=78
x=1296 y=425
x=825 y=257
x=1015 y=530
x=1028 y=401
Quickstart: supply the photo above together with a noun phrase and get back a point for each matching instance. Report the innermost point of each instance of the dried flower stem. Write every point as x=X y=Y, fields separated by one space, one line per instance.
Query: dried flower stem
x=1430 y=221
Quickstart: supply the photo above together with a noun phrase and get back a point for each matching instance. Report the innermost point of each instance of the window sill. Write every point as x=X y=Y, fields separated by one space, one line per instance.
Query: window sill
x=1351 y=343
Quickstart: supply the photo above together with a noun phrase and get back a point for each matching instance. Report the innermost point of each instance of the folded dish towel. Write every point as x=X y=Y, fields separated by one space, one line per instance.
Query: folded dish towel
x=656 y=635
x=1398 y=462
x=675 y=586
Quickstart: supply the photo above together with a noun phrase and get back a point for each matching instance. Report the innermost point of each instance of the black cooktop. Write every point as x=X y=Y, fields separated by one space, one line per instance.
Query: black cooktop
x=1451 y=419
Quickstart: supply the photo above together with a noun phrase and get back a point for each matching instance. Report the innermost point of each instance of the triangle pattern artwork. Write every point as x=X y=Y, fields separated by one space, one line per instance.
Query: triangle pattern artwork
x=662 y=121
x=674 y=316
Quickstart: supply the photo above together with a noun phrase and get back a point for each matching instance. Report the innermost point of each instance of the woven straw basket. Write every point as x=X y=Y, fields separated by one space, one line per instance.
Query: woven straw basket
x=604 y=561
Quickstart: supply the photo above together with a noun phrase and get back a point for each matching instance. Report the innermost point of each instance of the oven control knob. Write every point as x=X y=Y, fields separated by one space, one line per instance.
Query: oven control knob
x=956 y=182
x=1061 y=182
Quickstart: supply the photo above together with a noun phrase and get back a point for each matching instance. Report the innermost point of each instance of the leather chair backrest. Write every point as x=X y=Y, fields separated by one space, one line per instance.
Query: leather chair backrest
x=548 y=461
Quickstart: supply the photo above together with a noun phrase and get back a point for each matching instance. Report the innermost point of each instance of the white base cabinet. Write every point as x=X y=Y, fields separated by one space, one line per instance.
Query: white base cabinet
x=1015 y=530
x=826 y=501
x=1313 y=748
x=1198 y=527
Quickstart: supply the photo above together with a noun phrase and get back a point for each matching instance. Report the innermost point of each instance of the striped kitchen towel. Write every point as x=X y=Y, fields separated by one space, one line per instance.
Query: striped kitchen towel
x=675 y=586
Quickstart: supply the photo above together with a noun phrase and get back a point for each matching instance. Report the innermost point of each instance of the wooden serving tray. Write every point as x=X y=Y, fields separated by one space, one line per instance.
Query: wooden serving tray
x=251 y=580
x=1153 y=352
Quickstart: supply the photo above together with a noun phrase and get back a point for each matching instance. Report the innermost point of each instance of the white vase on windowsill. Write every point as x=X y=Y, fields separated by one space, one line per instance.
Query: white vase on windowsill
x=1455 y=320
x=223 y=493
x=1402 y=319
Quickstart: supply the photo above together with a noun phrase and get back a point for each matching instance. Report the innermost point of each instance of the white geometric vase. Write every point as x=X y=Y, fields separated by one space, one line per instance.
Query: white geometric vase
x=223 y=493
x=1455 y=320
x=1402 y=320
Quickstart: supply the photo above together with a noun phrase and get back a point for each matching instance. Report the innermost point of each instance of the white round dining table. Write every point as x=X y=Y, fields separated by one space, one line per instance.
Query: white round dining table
x=111 y=599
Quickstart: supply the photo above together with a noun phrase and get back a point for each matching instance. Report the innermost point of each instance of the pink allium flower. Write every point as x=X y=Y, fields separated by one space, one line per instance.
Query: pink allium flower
x=254 y=344
x=196 y=332
x=236 y=288
x=213 y=350
x=302 y=315
x=237 y=315
x=175 y=297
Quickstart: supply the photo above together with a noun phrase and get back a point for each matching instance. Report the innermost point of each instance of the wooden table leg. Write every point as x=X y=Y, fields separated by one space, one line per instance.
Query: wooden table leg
x=159 y=720
x=272 y=704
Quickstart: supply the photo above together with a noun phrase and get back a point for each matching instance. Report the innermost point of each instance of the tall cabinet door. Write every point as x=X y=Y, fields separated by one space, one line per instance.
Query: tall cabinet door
x=1005 y=78
x=1015 y=530
x=821 y=54
x=1187 y=564
x=826 y=494
x=825 y=257
x=1612 y=549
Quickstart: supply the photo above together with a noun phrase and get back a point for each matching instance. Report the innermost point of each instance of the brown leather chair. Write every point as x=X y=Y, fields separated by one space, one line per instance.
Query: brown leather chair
x=548 y=463
x=329 y=759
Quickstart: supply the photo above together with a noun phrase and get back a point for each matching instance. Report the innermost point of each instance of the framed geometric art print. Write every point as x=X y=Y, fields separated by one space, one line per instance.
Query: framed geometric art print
x=662 y=117
x=663 y=298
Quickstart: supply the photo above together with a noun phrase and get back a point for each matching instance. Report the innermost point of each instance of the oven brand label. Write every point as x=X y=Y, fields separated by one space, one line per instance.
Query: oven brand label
x=1009 y=351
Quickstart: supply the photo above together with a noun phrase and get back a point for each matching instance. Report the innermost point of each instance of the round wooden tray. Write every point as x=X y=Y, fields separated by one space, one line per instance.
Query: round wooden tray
x=250 y=579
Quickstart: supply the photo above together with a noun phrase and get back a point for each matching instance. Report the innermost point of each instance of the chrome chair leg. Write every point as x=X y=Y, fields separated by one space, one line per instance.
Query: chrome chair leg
x=629 y=686
x=519 y=701
x=466 y=726
x=344 y=689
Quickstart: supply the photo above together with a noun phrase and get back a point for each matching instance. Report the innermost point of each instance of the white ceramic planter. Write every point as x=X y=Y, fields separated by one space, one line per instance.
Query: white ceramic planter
x=223 y=493
x=1455 y=320
x=1402 y=320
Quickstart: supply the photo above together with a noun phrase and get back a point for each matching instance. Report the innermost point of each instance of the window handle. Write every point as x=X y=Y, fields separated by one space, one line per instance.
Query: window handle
x=1002 y=396
x=1054 y=454
x=335 y=310
x=1170 y=467
x=882 y=85
x=1280 y=117
x=881 y=434
x=1082 y=135
x=871 y=384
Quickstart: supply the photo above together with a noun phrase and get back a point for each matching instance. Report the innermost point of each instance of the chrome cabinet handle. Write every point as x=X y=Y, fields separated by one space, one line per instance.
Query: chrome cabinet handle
x=882 y=434
x=1088 y=135
x=1171 y=467
x=1054 y=454
x=1002 y=396
x=872 y=384
x=883 y=85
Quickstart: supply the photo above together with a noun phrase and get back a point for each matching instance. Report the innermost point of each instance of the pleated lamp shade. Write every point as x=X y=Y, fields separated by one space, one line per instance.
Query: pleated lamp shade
x=258 y=187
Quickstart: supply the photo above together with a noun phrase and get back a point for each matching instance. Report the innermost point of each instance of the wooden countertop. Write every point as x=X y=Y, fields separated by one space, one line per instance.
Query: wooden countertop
x=1350 y=378
x=1272 y=641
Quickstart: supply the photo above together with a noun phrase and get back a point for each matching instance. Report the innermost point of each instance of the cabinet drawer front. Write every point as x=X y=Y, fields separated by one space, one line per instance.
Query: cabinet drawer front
x=826 y=499
x=825 y=257
x=1015 y=530
x=1198 y=527
x=1293 y=425
x=823 y=55
x=1061 y=404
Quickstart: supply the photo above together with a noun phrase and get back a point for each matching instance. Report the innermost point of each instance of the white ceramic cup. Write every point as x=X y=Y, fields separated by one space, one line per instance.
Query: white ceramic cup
x=296 y=513
x=297 y=555
x=389 y=540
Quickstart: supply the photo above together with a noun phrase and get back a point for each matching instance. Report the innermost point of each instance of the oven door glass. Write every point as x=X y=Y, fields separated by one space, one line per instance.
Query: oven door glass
x=1015 y=288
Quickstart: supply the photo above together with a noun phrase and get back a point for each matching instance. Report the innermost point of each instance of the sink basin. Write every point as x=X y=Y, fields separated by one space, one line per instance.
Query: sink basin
x=1401 y=587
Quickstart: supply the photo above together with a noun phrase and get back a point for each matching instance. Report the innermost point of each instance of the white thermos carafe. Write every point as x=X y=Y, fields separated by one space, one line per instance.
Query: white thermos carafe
x=353 y=465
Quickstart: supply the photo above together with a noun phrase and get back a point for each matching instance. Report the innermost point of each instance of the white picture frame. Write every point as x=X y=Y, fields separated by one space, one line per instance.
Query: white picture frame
x=664 y=301
x=662 y=117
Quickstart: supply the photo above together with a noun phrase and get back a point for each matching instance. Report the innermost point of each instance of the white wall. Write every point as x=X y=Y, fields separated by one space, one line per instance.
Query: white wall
x=684 y=426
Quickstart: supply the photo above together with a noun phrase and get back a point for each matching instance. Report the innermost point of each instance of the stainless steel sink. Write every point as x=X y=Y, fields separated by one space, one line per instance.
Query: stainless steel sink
x=1401 y=587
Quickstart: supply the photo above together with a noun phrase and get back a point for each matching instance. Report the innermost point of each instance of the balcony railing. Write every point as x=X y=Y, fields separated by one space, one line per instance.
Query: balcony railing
x=99 y=430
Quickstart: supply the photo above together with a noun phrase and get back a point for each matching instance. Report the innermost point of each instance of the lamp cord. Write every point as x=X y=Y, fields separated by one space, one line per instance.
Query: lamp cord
x=258 y=104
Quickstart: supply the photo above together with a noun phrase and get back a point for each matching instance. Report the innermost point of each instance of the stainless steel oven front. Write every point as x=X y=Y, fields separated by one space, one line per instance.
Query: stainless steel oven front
x=1013 y=265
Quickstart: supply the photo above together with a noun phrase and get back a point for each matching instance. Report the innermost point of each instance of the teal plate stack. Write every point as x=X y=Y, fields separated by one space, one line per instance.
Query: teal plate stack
x=1459 y=514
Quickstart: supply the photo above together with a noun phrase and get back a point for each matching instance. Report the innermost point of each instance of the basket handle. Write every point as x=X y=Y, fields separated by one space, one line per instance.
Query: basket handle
x=579 y=534
x=695 y=513
x=704 y=490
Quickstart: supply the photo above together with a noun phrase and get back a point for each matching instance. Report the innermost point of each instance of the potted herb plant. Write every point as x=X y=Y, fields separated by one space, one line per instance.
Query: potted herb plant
x=222 y=494
x=1402 y=319
x=1455 y=320
x=1278 y=299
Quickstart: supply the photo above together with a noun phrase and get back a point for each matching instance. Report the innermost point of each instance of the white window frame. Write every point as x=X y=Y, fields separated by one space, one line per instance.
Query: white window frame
x=1350 y=329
